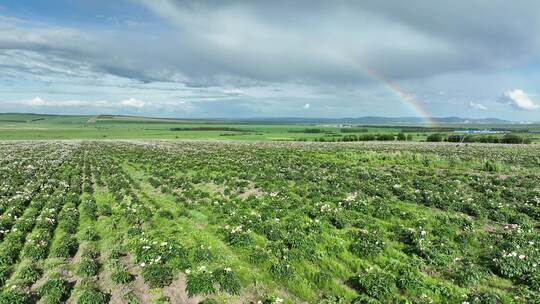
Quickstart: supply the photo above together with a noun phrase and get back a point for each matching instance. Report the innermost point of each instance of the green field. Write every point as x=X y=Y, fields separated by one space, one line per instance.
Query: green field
x=36 y=126
x=268 y=222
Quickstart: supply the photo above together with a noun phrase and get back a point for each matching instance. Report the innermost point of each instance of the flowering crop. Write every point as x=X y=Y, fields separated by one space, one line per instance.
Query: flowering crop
x=269 y=222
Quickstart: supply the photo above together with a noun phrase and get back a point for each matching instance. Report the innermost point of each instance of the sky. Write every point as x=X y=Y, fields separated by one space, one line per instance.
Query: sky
x=301 y=58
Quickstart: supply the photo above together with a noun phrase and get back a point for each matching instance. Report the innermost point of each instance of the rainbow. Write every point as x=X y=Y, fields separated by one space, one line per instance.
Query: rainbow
x=403 y=96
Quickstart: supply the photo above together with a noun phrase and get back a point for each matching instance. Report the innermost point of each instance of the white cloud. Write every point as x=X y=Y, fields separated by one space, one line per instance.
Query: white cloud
x=37 y=101
x=477 y=106
x=132 y=102
x=519 y=99
x=234 y=92
x=306 y=106
x=40 y=102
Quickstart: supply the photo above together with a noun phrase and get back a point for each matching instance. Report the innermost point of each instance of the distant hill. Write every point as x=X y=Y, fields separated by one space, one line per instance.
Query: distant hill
x=364 y=120
x=42 y=118
x=378 y=120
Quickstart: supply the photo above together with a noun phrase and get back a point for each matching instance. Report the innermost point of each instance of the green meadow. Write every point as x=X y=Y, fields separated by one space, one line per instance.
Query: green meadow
x=45 y=127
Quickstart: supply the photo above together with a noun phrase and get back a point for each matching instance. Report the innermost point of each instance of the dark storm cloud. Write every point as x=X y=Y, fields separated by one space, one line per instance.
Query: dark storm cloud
x=275 y=57
x=324 y=40
x=220 y=42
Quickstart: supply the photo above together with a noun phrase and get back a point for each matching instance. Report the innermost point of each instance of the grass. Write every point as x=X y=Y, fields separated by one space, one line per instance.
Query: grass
x=326 y=222
x=36 y=126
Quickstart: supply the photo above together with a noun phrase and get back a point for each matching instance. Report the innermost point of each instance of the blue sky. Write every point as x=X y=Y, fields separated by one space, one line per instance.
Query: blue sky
x=301 y=58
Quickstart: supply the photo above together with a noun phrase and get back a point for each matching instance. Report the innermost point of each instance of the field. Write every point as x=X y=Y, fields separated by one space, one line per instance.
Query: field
x=36 y=126
x=134 y=221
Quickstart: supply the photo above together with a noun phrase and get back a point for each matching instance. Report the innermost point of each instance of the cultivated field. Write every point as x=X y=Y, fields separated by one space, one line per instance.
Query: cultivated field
x=45 y=127
x=268 y=222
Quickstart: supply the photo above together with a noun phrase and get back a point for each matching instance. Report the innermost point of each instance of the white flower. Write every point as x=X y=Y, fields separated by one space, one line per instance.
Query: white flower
x=228 y=269
x=143 y=264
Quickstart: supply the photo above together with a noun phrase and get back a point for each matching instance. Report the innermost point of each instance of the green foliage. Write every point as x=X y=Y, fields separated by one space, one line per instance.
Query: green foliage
x=5 y=272
x=89 y=209
x=435 y=137
x=376 y=283
x=484 y=297
x=121 y=276
x=200 y=282
x=227 y=280
x=36 y=248
x=14 y=297
x=55 y=291
x=323 y=279
x=165 y=214
x=363 y=299
x=466 y=274
x=367 y=243
x=129 y=296
x=157 y=275
x=202 y=254
x=66 y=247
x=92 y=295
x=88 y=267
x=514 y=139
x=490 y=166
x=104 y=210
x=237 y=236
x=533 y=280
x=283 y=270
x=28 y=274
x=410 y=280
x=209 y=301
x=90 y=234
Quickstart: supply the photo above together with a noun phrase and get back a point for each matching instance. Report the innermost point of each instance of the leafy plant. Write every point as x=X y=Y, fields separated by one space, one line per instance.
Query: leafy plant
x=90 y=234
x=66 y=247
x=376 y=283
x=121 y=276
x=200 y=283
x=55 y=291
x=28 y=274
x=88 y=267
x=227 y=280
x=15 y=297
x=209 y=301
x=283 y=270
x=367 y=243
x=157 y=275
x=92 y=295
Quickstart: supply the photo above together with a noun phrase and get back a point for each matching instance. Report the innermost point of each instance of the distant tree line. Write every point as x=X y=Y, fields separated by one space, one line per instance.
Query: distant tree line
x=506 y=139
x=416 y=129
x=312 y=130
x=365 y=137
x=211 y=129
x=354 y=130
x=434 y=137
